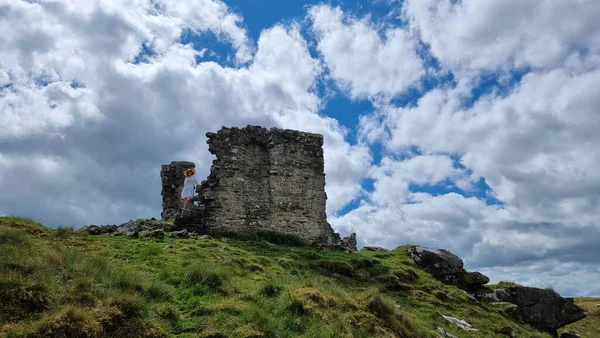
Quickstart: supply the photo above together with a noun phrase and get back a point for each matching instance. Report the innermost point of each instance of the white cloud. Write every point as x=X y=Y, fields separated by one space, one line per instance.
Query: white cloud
x=396 y=216
x=362 y=62
x=534 y=145
x=497 y=34
x=570 y=278
x=393 y=215
x=47 y=45
x=91 y=152
x=536 y=149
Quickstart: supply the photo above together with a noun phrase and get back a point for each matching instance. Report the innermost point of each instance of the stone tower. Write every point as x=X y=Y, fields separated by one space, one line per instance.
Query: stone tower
x=261 y=180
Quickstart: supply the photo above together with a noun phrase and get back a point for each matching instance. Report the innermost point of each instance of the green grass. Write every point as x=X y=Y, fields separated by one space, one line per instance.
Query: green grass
x=63 y=283
x=590 y=326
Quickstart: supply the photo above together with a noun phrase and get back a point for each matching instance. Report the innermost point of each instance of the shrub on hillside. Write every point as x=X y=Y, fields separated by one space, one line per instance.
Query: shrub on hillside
x=408 y=275
x=168 y=312
x=271 y=290
x=206 y=278
x=18 y=300
x=71 y=321
x=64 y=232
x=129 y=304
x=389 y=314
x=328 y=267
x=159 y=291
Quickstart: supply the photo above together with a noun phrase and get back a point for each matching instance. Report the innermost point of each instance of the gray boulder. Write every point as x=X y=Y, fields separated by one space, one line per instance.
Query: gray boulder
x=446 y=267
x=98 y=230
x=181 y=234
x=543 y=309
x=133 y=227
x=460 y=323
x=349 y=242
x=152 y=233
x=92 y=229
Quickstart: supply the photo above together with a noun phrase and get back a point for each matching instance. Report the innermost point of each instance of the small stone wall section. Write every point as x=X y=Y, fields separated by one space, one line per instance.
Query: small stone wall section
x=172 y=177
x=263 y=180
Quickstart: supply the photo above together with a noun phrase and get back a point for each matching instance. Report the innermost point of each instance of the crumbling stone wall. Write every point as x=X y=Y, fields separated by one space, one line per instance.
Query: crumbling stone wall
x=172 y=177
x=263 y=180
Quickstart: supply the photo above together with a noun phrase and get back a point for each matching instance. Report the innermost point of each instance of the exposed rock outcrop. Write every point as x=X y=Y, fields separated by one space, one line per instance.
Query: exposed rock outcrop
x=543 y=309
x=460 y=323
x=135 y=227
x=99 y=229
x=349 y=242
x=446 y=267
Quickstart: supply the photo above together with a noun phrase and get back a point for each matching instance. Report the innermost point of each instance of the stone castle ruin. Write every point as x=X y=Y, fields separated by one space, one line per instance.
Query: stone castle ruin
x=262 y=180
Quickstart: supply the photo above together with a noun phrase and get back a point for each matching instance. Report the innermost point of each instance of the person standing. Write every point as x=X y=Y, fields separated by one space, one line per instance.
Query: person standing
x=188 y=191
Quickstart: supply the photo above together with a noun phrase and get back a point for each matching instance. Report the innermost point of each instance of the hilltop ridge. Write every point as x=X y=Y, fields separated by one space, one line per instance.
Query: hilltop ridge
x=67 y=283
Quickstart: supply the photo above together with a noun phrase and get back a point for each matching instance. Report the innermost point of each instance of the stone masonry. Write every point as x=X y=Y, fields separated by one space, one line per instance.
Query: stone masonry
x=172 y=183
x=261 y=180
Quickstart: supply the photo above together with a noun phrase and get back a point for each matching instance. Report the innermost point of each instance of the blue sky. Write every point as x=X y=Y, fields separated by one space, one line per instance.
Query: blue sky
x=465 y=125
x=261 y=15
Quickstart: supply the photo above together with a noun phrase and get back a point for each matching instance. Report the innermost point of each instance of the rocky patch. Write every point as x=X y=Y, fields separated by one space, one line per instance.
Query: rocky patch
x=132 y=228
x=543 y=309
x=460 y=323
x=446 y=267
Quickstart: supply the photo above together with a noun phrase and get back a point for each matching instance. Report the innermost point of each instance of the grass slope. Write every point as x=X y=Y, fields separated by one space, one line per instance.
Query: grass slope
x=61 y=283
x=588 y=327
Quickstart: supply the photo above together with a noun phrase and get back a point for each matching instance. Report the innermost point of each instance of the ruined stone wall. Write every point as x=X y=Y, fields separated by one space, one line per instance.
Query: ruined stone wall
x=171 y=176
x=264 y=180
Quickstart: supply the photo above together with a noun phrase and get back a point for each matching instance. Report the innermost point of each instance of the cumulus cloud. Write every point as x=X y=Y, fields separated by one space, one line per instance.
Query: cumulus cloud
x=572 y=279
x=535 y=147
x=533 y=142
x=394 y=215
x=108 y=93
x=496 y=34
x=364 y=59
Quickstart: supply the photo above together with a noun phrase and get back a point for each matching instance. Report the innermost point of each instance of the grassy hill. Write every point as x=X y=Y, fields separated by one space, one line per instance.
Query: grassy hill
x=63 y=283
x=590 y=326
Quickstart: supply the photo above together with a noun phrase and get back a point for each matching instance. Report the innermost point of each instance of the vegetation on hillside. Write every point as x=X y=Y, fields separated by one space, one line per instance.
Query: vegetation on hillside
x=589 y=326
x=65 y=283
